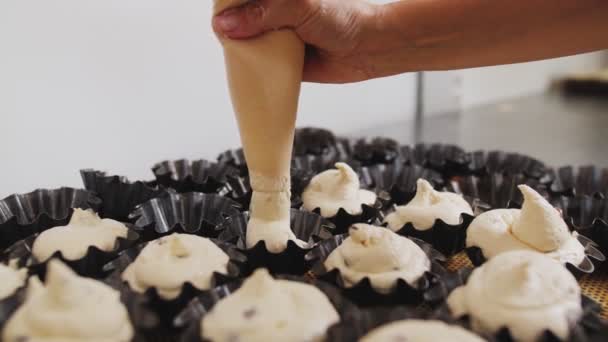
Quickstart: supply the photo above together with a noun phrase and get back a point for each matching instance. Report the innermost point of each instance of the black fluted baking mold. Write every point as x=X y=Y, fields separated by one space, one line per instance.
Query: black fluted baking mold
x=235 y=158
x=397 y=180
x=446 y=238
x=363 y=293
x=306 y=226
x=194 y=176
x=447 y=159
x=343 y=220
x=153 y=314
x=22 y=215
x=313 y=141
x=586 y=180
x=587 y=266
x=192 y=212
x=497 y=190
x=376 y=150
x=119 y=196
x=90 y=265
x=507 y=163
x=588 y=216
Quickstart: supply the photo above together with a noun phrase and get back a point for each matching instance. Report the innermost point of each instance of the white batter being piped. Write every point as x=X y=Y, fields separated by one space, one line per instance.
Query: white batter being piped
x=264 y=77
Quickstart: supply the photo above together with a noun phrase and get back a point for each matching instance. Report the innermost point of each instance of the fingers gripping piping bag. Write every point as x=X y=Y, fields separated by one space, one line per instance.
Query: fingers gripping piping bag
x=264 y=76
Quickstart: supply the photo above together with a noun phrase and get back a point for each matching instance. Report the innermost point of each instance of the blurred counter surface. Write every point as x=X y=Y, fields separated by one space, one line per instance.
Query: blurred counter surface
x=559 y=130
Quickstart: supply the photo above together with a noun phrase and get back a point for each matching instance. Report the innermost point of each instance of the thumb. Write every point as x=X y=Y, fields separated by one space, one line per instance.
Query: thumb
x=258 y=16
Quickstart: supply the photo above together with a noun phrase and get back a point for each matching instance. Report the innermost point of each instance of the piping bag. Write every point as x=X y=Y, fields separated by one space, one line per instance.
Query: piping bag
x=264 y=76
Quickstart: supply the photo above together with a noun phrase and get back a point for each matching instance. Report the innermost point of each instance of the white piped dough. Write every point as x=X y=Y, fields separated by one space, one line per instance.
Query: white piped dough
x=264 y=77
x=169 y=262
x=380 y=255
x=538 y=226
x=10 y=280
x=69 y=308
x=84 y=230
x=524 y=291
x=427 y=206
x=264 y=309
x=269 y=224
x=420 y=331
x=334 y=189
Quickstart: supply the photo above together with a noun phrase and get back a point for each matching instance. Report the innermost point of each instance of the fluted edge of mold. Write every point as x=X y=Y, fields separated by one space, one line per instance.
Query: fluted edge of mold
x=22 y=215
x=343 y=220
x=363 y=293
x=306 y=226
x=313 y=141
x=588 y=216
x=309 y=141
x=119 y=196
x=396 y=183
x=377 y=150
x=508 y=163
x=194 y=176
x=234 y=158
x=192 y=212
x=587 y=180
x=592 y=257
x=90 y=264
x=449 y=239
x=496 y=189
x=447 y=159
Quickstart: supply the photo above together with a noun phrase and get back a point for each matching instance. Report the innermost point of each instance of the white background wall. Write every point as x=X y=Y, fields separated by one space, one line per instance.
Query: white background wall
x=452 y=91
x=121 y=84
x=487 y=85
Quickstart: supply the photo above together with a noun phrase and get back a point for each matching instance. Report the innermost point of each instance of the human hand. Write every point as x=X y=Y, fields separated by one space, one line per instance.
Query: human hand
x=340 y=34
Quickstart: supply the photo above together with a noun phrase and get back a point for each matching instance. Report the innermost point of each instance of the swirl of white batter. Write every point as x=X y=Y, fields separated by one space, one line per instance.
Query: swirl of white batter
x=69 y=308
x=334 y=189
x=84 y=230
x=538 y=226
x=524 y=291
x=380 y=255
x=427 y=206
x=264 y=309
x=169 y=262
